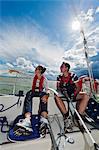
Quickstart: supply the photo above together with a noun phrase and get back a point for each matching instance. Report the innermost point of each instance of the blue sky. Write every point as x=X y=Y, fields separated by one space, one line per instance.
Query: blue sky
x=36 y=32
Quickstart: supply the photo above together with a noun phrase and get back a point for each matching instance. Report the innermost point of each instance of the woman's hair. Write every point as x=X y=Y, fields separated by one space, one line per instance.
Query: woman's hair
x=41 y=68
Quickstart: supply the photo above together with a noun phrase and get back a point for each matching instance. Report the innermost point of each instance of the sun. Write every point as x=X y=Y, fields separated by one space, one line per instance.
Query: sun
x=76 y=25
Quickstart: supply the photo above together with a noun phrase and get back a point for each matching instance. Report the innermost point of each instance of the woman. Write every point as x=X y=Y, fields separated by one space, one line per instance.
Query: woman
x=39 y=89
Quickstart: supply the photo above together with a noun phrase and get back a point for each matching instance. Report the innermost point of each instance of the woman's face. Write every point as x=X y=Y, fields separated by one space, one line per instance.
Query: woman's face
x=37 y=71
x=63 y=68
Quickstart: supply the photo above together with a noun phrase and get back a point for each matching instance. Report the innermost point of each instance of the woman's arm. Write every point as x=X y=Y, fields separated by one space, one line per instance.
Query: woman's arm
x=46 y=86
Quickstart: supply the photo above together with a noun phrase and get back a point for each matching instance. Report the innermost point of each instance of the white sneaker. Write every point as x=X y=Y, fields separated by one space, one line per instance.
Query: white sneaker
x=25 y=123
x=43 y=126
x=89 y=119
x=68 y=125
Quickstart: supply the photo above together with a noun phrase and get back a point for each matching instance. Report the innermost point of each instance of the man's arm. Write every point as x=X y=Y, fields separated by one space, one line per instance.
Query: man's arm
x=77 y=84
x=58 y=83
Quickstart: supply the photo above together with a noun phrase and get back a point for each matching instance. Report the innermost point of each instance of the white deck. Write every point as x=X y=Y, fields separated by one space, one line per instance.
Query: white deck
x=82 y=141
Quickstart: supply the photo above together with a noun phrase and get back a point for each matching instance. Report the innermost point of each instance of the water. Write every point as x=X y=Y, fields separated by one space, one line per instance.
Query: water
x=11 y=85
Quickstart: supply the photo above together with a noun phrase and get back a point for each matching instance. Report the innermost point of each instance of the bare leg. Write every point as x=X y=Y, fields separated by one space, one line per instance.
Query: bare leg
x=28 y=115
x=44 y=114
x=83 y=99
x=43 y=106
x=61 y=105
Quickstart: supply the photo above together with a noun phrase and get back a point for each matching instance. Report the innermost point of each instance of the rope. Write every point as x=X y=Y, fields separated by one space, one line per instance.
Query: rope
x=2 y=106
x=3 y=120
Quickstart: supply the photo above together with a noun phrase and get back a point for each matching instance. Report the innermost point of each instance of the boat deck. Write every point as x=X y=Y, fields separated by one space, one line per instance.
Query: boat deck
x=81 y=141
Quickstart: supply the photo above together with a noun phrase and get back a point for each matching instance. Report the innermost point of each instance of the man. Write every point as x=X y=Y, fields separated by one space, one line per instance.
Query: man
x=68 y=82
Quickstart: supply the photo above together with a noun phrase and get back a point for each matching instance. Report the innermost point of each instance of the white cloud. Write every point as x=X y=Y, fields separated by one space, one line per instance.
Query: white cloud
x=25 y=45
x=97 y=10
x=10 y=65
x=24 y=64
x=86 y=17
x=27 y=40
x=75 y=55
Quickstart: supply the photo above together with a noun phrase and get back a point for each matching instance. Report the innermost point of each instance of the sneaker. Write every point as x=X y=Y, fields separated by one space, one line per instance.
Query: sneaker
x=25 y=123
x=68 y=125
x=42 y=129
x=21 y=131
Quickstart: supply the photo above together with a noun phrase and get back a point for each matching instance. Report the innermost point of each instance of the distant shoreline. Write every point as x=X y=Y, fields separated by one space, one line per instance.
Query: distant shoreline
x=25 y=77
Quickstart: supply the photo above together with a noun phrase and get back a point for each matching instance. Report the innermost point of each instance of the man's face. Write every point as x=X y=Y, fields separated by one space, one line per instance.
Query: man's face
x=63 y=68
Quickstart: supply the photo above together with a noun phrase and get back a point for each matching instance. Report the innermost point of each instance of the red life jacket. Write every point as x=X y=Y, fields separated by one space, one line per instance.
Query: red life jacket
x=40 y=84
x=67 y=79
x=67 y=82
x=84 y=79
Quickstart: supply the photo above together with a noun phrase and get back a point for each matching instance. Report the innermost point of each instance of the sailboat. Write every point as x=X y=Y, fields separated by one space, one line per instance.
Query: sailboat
x=54 y=140
x=12 y=105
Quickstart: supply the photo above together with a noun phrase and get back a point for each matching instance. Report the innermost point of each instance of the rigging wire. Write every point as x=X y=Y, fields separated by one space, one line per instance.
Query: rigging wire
x=90 y=72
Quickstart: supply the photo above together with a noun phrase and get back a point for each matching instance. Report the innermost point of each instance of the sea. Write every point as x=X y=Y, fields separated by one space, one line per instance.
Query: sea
x=11 y=85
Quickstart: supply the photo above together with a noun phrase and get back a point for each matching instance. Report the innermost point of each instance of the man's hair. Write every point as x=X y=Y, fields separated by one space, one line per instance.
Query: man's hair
x=41 y=68
x=66 y=65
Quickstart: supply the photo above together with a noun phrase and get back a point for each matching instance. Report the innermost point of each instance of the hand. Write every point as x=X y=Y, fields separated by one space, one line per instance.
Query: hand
x=65 y=92
x=72 y=96
x=45 y=98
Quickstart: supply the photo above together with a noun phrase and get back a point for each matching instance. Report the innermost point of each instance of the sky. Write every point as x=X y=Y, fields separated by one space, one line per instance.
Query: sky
x=34 y=32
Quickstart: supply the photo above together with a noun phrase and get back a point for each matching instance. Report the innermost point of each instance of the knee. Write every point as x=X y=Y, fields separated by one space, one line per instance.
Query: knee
x=44 y=98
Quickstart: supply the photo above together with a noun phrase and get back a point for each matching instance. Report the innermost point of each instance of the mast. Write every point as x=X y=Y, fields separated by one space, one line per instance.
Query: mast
x=88 y=63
